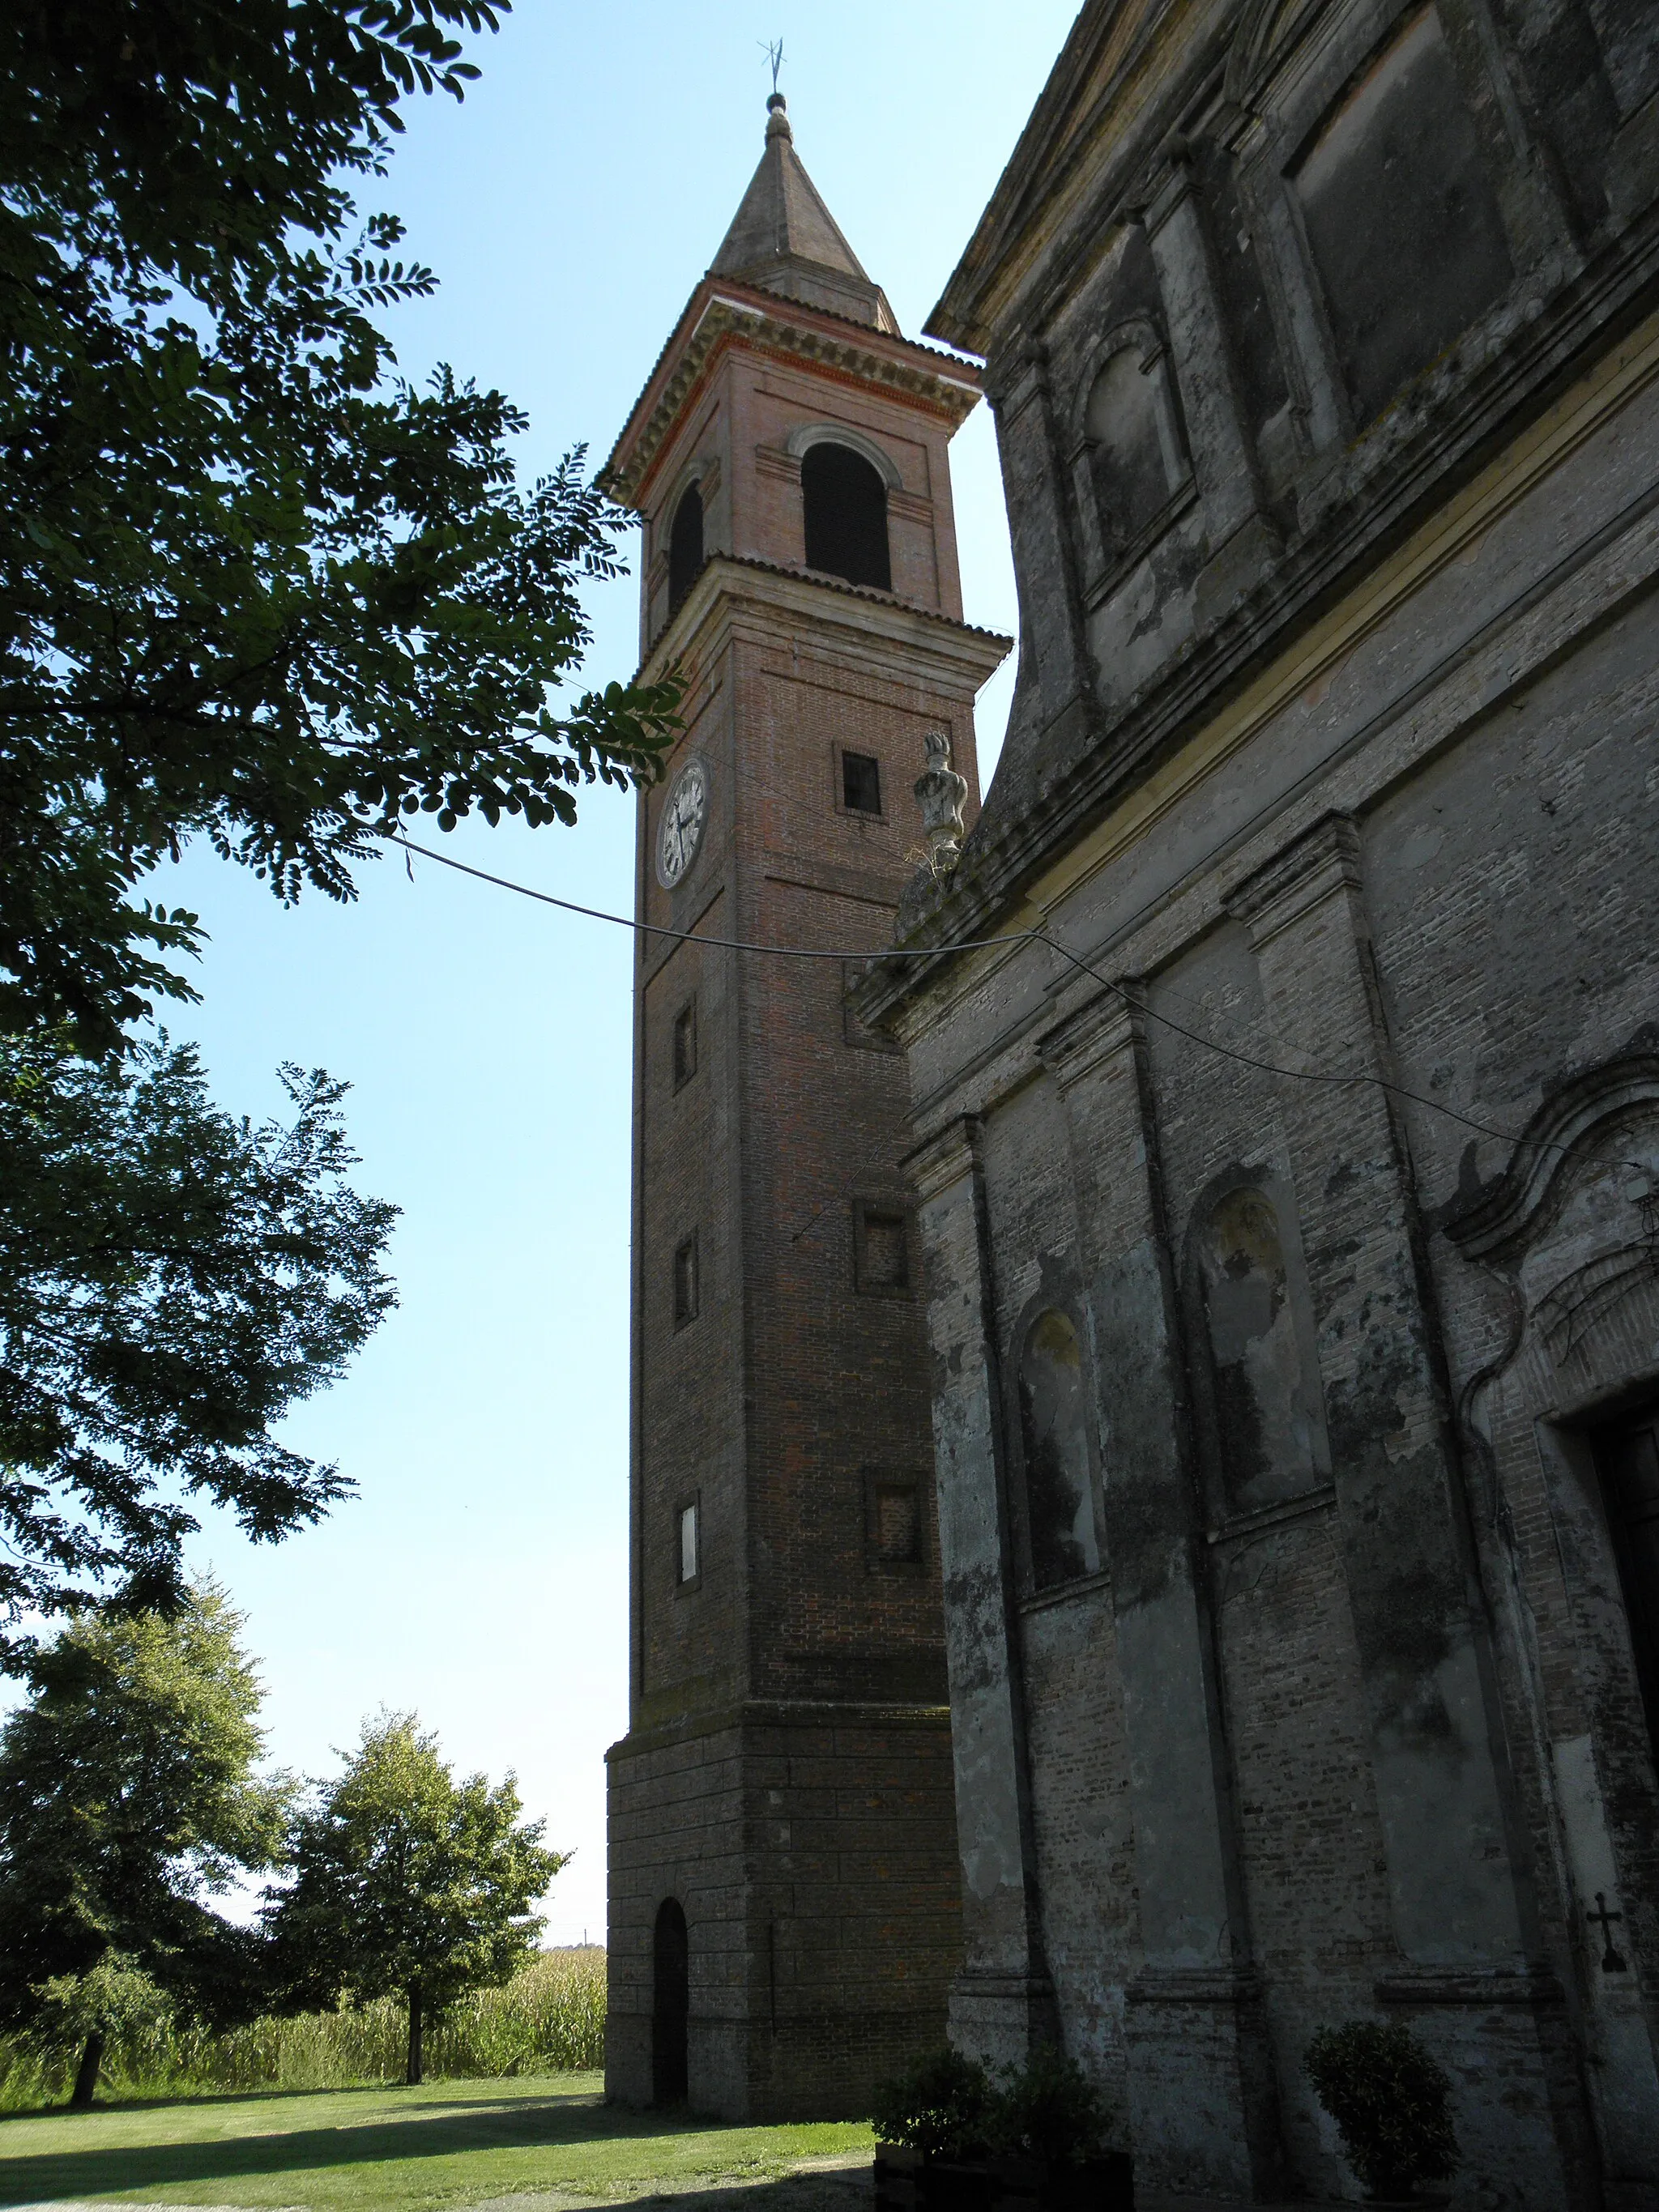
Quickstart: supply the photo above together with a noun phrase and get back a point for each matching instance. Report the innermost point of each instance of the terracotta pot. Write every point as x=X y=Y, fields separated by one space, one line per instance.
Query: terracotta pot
x=908 y=2182
x=1099 y=2185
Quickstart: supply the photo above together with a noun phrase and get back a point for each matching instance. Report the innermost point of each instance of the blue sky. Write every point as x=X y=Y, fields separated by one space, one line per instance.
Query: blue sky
x=568 y=208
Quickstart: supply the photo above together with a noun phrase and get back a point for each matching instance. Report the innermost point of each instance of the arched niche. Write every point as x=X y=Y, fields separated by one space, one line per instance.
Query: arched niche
x=844 y=507
x=1061 y=1541
x=686 y=546
x=1129 y=452
x=671 y=2004
x=1260 y=1402
x=1571 y=1227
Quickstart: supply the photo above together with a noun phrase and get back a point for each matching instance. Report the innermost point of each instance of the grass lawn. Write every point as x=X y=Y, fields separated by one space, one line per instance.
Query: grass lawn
x=448 y=2143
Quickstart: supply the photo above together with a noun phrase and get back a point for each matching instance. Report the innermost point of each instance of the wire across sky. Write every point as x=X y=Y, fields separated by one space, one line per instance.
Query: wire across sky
x=1334 y=1077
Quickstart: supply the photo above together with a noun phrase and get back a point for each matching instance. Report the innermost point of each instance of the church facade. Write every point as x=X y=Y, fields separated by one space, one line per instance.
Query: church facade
x=784 y=1917
x=1289 y=1192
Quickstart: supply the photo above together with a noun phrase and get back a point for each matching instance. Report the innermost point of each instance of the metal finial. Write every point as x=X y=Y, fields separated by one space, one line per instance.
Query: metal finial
x=773 y=49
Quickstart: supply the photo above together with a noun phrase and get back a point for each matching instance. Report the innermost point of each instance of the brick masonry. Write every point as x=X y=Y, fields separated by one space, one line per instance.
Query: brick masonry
x=786 y=1777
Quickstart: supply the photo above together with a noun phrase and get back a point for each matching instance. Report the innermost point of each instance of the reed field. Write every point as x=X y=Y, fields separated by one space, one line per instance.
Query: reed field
x=548 y=2019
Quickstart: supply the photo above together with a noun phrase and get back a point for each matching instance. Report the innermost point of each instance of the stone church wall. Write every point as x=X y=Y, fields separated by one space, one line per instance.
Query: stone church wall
x=1291 y=1192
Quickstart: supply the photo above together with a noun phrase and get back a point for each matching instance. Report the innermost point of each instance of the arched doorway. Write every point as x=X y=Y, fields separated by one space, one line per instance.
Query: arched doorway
x=671 y=2004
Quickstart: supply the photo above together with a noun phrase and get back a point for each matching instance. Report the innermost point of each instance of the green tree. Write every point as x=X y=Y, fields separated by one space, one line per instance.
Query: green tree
x=171 y=1280
x=83 y=2014
x=408 y=1882
x=128 y=1800
x=253 y=585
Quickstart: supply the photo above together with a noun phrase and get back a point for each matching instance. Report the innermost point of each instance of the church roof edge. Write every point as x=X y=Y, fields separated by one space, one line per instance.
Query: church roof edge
x=1032 y=179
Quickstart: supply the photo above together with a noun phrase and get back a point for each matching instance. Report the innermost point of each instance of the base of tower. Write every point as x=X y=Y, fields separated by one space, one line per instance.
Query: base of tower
x=811 y=1848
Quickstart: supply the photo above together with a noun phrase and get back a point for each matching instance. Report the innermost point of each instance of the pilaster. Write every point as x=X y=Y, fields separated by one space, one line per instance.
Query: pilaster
x=1054 y=671
x=1002 y=2003
x=1462 y=1914
x=1197 y=2071
x=1197 y=324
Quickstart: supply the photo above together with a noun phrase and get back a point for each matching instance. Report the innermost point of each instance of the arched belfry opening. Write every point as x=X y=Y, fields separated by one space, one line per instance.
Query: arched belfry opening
x=684 y=548
x=845 y=503
x=671 y=2004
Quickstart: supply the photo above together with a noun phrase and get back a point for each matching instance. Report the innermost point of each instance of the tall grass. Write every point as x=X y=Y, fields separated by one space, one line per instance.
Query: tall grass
x=548 y=2019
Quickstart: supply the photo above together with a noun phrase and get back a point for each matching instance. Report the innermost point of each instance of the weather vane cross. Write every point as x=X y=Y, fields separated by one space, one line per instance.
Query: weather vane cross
x=773 y=49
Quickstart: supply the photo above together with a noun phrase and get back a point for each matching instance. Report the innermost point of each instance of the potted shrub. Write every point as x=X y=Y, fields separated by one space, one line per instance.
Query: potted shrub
x=930 y=2136
x=1050 y=2127
x=949 y=2141
x=1390 y=2102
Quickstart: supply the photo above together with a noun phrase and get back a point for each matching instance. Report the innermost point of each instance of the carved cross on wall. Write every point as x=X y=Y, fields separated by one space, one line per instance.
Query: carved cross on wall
x=1613 y=1962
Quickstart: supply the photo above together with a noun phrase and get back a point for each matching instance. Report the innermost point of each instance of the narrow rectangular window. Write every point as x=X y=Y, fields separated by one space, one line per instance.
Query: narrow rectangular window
x=881 y=1248
x=860 y=783
x=685 y=1043
x=685 y=1281
x=691 y=1559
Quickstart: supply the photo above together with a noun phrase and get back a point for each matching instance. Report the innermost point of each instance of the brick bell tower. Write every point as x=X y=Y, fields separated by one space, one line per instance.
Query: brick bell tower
x=784 y=1919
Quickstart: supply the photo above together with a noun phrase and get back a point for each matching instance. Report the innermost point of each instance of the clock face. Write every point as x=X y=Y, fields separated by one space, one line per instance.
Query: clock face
x=680 y=828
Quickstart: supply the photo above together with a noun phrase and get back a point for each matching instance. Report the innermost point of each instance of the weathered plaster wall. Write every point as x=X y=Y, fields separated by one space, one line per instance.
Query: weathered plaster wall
x=1338 y=773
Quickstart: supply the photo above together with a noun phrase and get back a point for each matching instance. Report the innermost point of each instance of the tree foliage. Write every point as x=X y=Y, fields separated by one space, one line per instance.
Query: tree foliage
x=172 y=1281
x=128 y=1800
x=406 y=1881
x=80 y=2014
x=253 y=585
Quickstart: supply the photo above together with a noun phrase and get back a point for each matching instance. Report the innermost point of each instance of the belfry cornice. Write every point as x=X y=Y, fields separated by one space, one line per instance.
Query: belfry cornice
x=721 y=313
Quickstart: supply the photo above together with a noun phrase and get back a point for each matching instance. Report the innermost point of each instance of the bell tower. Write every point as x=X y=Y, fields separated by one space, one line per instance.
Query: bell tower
x=784 y=1917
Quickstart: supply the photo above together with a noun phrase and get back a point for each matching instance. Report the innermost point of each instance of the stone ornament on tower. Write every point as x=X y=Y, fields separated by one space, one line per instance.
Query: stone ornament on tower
x=940 y=792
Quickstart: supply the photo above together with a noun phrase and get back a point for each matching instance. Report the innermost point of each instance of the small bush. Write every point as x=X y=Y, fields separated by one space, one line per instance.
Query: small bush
x=939 y=2105
x=947 y=2107
x=1389 y=2100
x=1049 y=2109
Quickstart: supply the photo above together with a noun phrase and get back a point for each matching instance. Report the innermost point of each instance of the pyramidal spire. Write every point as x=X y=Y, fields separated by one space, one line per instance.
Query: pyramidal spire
x=786 y=240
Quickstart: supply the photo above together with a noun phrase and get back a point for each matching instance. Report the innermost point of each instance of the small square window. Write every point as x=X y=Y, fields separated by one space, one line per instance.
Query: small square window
x=881 y=1248
x=894 y=1538
x=685 y=1043
x=689 y=1542
x=860 y=783
x=685 y=1281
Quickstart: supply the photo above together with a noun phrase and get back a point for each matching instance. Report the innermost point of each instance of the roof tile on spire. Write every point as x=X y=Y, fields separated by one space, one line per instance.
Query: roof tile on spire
x=785 y=239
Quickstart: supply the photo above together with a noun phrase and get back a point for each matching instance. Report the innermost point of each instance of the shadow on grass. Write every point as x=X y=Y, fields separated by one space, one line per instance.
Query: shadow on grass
x=494 y=2123
x=191 y=2099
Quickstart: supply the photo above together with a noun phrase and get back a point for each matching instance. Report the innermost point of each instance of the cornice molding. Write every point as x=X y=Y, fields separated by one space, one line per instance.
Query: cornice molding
x=897 y=366
x=1321 y=861
x=775 y=1713
x=946 y=1158
x=729 y=582
x=1103 y=1028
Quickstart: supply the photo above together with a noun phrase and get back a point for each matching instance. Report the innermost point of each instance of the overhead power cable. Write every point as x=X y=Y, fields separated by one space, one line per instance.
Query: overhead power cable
x=696 y=936
x=1333 y=1078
